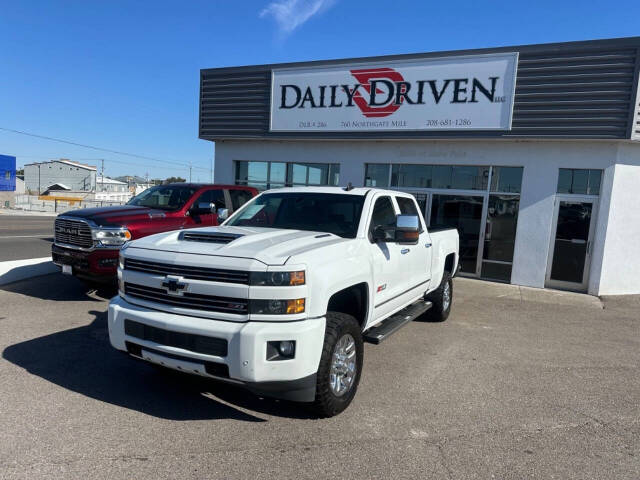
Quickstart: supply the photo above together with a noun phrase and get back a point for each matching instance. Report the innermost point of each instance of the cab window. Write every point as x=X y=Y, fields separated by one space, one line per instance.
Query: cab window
x=239 y=198
x=384 y=215
x=212 y=196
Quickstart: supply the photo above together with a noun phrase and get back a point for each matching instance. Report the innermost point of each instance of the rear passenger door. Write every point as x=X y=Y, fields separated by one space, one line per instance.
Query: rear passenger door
x=415 y=259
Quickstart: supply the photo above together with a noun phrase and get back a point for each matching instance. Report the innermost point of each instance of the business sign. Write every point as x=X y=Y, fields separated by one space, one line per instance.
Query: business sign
x=453 y=93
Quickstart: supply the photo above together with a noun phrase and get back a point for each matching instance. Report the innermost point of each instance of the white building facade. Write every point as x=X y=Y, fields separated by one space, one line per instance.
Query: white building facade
x=108 y=189
x=542 y=180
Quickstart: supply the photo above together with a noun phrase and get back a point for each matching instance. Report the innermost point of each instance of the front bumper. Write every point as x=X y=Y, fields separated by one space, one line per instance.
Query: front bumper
x=98 y=264
x=245 y=360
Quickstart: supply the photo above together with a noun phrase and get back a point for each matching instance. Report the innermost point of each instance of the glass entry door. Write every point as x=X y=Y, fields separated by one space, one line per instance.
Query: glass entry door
x=466 y=214
x=572 y=238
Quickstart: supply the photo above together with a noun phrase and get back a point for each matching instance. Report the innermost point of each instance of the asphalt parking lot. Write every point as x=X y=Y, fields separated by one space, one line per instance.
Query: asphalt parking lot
x=518 y=383
x=25 y=236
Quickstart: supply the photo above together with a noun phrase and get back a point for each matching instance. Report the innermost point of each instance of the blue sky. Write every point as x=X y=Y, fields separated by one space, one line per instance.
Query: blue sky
x=124 y=75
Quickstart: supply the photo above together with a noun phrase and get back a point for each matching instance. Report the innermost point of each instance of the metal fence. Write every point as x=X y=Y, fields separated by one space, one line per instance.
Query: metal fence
x=33 y=203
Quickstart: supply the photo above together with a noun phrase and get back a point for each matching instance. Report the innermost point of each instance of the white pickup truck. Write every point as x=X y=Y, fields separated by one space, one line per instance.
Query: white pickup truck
x=280 y=298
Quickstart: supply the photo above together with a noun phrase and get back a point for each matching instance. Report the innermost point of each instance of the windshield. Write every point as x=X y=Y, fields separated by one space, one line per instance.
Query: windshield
x=164 y=197
x=317 y=212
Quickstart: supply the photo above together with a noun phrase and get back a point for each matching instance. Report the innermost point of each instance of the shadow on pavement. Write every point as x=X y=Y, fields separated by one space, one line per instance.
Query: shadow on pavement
x=59 y=287
x=82 y=360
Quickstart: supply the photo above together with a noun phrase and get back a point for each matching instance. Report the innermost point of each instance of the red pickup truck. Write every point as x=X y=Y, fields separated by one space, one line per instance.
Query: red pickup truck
x=87 y=241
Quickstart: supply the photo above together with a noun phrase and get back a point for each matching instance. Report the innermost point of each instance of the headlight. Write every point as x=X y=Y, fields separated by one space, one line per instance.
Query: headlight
x=111 y=236
x=278 y=279
x=277 y=307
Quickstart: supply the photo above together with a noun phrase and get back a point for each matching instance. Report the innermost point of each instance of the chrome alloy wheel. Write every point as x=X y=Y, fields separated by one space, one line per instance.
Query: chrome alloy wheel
x=343 y=366
x=446 y=296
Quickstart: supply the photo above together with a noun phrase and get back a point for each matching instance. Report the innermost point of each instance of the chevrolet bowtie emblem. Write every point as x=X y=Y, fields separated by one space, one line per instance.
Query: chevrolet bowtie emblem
x=174 y=285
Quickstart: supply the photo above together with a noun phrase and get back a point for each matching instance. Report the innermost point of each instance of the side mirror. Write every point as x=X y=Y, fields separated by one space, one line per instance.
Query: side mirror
x=223 y=214
x=379 y=234
x=203 y=208
x=407 y=229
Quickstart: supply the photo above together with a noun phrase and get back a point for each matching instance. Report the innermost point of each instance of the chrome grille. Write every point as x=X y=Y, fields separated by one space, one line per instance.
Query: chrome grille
x=192 y=301
x=194 y=273
x=72 y=232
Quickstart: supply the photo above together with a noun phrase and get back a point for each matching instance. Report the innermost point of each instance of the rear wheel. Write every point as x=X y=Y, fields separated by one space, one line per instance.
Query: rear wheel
x=340 y=365
x=441 y=298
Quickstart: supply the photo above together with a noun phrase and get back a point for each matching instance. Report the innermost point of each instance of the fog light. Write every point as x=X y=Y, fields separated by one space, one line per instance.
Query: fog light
x=287 y=348
x=281 y=350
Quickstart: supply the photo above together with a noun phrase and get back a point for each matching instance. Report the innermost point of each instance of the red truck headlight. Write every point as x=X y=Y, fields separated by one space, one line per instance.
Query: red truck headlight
x=111 y=237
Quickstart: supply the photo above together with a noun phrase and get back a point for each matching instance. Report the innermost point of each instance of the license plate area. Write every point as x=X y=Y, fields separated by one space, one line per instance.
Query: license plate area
x=67 y=269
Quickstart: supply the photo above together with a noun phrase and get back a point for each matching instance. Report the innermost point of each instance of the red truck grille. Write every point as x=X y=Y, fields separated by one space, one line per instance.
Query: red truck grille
x=72 y=232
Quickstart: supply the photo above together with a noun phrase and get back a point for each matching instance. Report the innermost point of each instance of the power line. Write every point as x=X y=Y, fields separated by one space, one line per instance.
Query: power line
x=144 y=157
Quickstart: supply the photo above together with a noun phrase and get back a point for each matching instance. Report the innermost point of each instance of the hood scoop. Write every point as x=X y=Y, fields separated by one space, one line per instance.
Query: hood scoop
x=208 y=237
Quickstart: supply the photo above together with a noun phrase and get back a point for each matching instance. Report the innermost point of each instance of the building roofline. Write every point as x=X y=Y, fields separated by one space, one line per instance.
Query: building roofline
x=632 y=42
x=66 y=162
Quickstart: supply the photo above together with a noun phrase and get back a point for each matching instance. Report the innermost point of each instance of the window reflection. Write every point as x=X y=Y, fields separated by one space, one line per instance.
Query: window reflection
x=266 y=175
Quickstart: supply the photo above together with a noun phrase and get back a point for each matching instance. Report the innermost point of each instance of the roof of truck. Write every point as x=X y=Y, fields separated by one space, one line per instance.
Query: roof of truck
x=353 y=191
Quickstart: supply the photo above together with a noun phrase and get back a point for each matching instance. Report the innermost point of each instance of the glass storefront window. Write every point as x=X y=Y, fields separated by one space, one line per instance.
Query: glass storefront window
x=265 y=175
x=465 y=214
x=278 y=173
x=469 y=177
x=440 y=176
x=506 y=179
x=407 y=175
x=376 y=175
x=579 y=181
x=500 y=230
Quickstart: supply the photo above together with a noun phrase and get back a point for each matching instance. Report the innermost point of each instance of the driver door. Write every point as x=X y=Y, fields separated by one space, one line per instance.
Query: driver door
x=387 y=276
x=206 y=220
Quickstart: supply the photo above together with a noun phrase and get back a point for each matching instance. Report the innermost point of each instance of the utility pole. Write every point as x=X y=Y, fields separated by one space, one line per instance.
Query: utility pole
x=102 y=176
x=189 y=171
x=211 y=168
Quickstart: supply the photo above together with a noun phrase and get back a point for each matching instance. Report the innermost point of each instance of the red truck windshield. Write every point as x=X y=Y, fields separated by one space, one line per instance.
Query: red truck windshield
x=317 y=212
x=164 y=197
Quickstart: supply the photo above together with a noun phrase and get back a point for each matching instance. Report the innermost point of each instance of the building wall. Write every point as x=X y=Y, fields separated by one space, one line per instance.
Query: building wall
x=540 y=159
x=76 y=178
x=619 y=271
x=7 y=173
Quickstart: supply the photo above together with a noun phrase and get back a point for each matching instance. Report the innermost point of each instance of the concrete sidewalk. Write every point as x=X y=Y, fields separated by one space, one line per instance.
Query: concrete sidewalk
x=16 y=270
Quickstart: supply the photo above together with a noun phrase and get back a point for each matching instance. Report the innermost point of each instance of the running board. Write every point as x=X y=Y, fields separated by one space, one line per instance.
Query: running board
x=395 y=322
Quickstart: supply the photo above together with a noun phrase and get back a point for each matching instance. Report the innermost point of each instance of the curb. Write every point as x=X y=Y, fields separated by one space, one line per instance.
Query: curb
x=15 y=270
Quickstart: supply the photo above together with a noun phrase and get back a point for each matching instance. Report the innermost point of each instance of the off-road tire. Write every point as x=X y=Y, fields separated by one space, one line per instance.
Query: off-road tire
x=326 y=403
x=440 y=310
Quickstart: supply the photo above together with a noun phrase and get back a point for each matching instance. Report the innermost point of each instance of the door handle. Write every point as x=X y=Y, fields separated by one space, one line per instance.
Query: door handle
x=404 y=250
x=428 y=245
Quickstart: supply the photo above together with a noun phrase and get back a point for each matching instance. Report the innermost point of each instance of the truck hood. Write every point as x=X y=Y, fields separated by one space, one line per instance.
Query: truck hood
x=116 y=216
x=268 y=245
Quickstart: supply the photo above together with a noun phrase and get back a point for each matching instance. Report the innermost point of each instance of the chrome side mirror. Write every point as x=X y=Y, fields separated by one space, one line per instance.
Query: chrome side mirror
x=223 y=214
x=407 y=229
x=203 y=208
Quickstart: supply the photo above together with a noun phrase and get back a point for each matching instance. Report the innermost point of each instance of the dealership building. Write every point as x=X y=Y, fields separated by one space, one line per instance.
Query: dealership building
x=531 y=152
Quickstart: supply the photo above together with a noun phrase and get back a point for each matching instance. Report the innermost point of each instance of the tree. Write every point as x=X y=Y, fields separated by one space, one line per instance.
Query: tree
x=175 y=180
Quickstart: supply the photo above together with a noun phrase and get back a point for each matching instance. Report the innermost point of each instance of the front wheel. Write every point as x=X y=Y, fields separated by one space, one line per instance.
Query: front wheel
x=441 y=299
x=340 y=365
